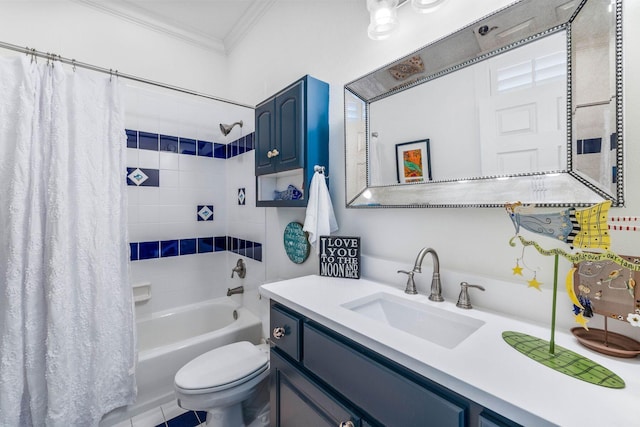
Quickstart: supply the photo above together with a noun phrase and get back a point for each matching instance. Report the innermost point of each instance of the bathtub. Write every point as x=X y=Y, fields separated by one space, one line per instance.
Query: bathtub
x=169 y=339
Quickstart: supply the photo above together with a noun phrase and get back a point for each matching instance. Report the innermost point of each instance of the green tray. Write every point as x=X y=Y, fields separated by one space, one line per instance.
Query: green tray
x=563 y=360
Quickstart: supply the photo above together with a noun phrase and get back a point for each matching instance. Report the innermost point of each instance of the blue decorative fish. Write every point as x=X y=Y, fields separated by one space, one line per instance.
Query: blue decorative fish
x=291 y=193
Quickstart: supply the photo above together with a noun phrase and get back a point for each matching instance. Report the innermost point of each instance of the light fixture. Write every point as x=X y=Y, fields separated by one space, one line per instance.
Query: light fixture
x=383 y=18
x=383 y=14
x=426 y=6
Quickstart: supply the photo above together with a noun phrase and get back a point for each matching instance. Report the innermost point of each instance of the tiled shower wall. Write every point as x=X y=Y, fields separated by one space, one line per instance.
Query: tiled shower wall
x=184 y=179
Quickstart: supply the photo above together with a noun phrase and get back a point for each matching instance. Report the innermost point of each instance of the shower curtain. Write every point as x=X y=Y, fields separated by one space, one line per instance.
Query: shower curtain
x=66 y=312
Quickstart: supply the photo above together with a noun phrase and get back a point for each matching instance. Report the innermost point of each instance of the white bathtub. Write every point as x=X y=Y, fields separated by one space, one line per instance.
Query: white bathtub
x=169 y=339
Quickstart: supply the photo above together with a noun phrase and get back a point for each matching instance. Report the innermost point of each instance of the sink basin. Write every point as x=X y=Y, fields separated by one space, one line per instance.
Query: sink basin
x=433 y=324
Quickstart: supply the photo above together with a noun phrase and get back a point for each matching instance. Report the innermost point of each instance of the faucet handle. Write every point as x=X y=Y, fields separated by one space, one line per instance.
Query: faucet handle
x=463 y=299
x=411 y=285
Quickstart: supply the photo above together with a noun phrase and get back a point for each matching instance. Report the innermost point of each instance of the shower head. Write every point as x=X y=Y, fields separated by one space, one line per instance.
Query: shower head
x=225 y=129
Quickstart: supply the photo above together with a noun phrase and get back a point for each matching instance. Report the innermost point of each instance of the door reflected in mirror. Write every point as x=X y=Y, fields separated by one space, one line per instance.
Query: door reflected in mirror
x=502 y=116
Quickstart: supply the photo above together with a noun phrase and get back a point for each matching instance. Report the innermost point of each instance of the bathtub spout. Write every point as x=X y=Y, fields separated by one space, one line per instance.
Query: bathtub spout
x=236 y=290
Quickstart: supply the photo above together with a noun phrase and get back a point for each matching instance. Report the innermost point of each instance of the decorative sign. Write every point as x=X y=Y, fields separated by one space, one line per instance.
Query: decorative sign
x=340 y=257
x=296 y=244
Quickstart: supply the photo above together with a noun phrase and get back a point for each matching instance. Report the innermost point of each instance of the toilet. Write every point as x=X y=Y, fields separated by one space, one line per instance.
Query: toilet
x=231 y=383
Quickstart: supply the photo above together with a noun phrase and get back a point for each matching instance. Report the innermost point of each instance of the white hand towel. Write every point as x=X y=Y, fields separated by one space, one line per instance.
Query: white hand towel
x=320 y=219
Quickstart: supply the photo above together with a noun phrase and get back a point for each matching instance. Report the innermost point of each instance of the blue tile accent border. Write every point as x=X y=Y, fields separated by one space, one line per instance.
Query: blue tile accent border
x=589 y=145
x=148 y=141
x=169 y=143
x=205 y=244
x=148 y=250
x=196 y=245
x=205 y=149
x=188 y=146
x=220 y=243
x=169 y=248
x=133 y=253
x=132 y=138
x=219 y=151
x=188 y=246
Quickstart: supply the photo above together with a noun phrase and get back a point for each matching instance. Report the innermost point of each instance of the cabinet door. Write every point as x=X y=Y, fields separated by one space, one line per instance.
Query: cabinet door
x=297 y=401
x=290 y=128
x=265 y=137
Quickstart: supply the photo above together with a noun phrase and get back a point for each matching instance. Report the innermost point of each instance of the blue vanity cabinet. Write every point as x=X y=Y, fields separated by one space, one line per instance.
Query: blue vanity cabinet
x=291 y=137
x=333 y=378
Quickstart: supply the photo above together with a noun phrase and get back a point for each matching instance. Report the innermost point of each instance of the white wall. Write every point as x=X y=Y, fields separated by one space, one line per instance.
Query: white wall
x=76 y=31
x=328 y=40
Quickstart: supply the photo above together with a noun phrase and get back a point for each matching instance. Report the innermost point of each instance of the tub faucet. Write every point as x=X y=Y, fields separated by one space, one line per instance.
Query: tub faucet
x=436 y=286
x=236 y=290
x=240 y=268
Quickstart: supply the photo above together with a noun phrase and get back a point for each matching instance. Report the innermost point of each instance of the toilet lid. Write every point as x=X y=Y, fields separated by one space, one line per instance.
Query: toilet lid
x=222 y=367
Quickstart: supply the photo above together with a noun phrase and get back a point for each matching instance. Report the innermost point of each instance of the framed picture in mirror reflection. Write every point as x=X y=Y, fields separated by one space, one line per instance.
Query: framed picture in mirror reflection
x=413 y=162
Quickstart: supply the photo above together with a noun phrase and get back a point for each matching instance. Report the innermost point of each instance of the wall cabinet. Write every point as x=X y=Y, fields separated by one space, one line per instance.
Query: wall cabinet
x=319 y=377
x=291 y=137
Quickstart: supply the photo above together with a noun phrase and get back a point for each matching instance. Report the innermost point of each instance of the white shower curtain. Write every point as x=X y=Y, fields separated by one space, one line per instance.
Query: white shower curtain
x=66 y=313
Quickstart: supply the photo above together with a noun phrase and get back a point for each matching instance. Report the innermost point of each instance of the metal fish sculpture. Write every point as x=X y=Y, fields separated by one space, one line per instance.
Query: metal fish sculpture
x=584 y=228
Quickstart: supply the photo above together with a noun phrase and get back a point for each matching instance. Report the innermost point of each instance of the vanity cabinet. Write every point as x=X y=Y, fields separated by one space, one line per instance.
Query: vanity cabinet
x=291 y=137
x=319 y=377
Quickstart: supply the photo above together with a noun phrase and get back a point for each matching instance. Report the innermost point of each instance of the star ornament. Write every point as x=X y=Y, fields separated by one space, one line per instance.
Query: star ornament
x=581 y=320
x=517 y=270
x=533 y=283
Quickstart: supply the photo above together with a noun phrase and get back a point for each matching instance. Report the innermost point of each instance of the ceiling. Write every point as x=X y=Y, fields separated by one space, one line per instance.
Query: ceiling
x=217 y=25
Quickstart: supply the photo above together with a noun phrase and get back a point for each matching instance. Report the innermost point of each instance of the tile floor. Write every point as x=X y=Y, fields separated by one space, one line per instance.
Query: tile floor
x=167 y=415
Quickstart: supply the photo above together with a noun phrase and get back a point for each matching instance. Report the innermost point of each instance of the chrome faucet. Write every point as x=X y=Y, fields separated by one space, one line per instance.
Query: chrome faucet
x=240 y=268
x=436 y=286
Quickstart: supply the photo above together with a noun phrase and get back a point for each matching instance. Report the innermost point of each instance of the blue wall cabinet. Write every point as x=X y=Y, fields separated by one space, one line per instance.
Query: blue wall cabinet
x=319 y=377
x=291 y=137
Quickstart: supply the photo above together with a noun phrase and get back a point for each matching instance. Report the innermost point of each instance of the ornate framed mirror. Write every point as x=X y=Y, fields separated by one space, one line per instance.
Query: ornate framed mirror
x=524 y=104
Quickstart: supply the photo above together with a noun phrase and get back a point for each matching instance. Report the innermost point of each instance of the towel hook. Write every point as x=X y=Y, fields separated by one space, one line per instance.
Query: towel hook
x=320 y=169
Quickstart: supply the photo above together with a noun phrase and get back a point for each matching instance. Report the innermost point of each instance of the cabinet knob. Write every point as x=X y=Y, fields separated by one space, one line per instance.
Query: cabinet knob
x=279 y=332
x=273 y=153
x=347 y=424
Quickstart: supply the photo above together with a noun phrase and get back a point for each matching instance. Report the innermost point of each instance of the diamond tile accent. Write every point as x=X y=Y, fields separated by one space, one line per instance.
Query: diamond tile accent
x=137 y=176
x=242 y=196
x=205 y=213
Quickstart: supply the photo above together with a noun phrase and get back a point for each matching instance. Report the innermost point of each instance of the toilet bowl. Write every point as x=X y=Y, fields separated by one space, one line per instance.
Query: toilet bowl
x=221 y=380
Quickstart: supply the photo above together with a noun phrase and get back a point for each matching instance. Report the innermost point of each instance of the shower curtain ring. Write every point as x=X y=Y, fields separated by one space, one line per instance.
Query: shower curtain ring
x=73 y=65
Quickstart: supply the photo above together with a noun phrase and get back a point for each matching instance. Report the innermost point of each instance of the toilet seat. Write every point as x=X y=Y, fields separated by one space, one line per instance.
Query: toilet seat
x=222 y=368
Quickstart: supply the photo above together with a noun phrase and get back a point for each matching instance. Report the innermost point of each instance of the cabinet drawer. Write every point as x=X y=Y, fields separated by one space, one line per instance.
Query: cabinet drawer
x=386 y=395
x=284 y=330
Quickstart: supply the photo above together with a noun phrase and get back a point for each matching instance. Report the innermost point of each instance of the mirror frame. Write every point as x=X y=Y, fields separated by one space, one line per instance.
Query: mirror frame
x=562 y=188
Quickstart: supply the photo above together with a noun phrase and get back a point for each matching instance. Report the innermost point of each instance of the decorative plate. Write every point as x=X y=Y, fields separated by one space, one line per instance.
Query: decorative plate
x=296 y=243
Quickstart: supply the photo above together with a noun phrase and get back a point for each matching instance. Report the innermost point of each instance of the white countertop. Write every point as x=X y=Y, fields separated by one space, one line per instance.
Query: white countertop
x=483 y=367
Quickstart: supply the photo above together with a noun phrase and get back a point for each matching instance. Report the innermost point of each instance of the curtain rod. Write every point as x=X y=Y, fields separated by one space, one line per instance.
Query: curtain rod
x=73 y=62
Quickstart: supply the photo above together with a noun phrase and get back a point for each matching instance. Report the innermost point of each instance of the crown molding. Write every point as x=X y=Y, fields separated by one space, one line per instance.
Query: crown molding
x=153 y=22
x=254 y=13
